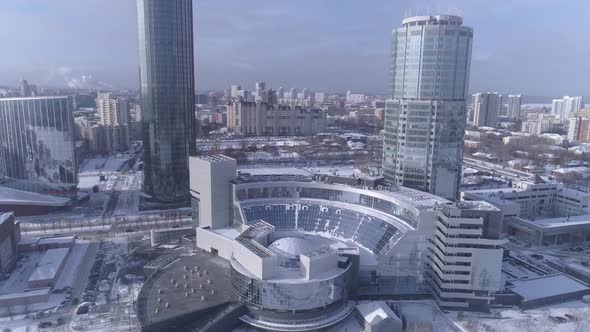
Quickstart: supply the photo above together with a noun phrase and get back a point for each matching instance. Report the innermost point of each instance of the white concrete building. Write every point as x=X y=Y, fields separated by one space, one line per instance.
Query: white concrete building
x=291 y=230
x=534 y=199
x=566 y=107
x=514 y=104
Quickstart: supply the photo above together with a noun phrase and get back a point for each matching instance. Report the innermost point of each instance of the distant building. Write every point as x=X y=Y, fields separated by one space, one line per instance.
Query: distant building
x=539 y=123
x=579 y=129
x=250 y=118
x=114 y=117
x=9 y=238
x=25 y=89
x=355 y=98
x=425 y=121
x=234 y=91
x=95 y=139
x=320 y=97
x=514 y=104
x=567 y=106
x=201 y=99
x=485 y=109
x=37 y=150
x=380 y=114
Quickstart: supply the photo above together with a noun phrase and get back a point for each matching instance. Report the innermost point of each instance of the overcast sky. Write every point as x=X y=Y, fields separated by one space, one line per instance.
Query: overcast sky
x=534 y=47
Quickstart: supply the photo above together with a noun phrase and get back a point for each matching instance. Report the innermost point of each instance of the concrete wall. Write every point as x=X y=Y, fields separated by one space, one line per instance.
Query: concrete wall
x=312 y=266
x=209 y=240
x=210 y=183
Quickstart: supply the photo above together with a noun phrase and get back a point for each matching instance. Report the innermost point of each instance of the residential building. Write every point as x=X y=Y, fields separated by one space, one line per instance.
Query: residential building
x=37 y=150
x=251 y=118
x=320 y=97
x=114 y=117
x=514 y=104
x=539 y=123
x=167 y=97
x=579 y=129
x=355 y=98
x=566 y=107
x=95 y=139
x=425 y=120
x=486 y=108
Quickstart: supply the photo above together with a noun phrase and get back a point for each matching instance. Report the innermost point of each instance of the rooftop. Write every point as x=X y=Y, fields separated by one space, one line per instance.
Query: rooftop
x=547 y=286
x=557 y=222
x=50 y=264
x=164 y=297
x=375 y=311
x=215 y=158
x=433 y=20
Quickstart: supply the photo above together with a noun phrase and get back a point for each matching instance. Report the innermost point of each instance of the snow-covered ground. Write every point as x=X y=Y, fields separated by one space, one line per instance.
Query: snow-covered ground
x=576 y=315
x=91 y=169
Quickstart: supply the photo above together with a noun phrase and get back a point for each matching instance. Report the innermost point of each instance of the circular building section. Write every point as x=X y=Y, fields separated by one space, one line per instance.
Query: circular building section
x=295 y=283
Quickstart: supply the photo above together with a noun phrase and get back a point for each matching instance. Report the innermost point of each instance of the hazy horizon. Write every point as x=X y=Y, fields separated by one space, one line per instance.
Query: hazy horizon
x=312 y=44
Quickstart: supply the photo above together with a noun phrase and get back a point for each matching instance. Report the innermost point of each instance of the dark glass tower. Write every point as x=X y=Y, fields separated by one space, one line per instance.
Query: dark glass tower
x=167 y=96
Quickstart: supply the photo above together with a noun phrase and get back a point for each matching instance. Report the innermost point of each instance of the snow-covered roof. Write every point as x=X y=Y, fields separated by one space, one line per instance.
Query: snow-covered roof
x=546 y=286
x=49 y=264
x=374 y=312
x=577 y=169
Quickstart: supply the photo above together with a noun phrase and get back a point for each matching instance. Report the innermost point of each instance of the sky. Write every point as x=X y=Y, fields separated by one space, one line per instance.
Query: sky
x=533 y=47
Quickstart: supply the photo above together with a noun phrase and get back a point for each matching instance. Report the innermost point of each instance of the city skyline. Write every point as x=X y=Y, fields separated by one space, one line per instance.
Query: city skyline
x=343 y=47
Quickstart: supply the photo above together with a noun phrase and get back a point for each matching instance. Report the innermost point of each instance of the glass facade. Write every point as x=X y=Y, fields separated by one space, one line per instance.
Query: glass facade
x=425 y=121
x=288 y=296
x=37 y=145
x=167 y=96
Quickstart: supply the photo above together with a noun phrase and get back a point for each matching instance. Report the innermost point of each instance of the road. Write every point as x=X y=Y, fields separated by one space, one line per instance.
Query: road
x=496 y=169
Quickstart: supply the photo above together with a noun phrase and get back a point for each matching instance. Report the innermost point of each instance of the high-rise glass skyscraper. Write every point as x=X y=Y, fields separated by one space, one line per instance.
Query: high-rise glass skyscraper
x=167 y=96
x=426 y=117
